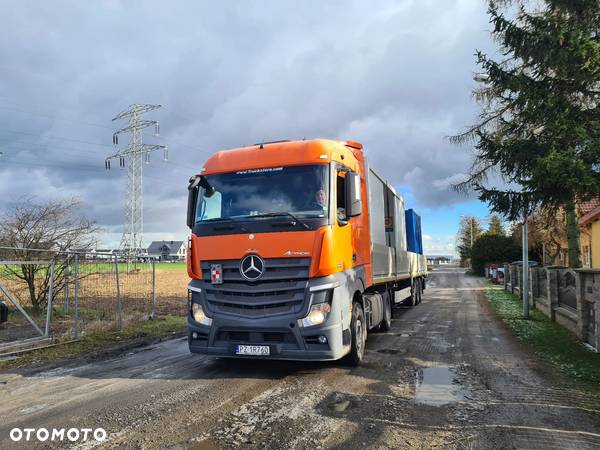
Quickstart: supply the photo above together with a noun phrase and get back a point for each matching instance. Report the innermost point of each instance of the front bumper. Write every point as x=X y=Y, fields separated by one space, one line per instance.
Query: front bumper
x=285 y=338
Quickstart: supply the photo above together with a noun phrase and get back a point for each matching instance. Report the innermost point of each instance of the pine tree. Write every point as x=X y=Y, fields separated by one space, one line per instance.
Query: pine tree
x=495 y=227
x=470 y=230
x=540 y=123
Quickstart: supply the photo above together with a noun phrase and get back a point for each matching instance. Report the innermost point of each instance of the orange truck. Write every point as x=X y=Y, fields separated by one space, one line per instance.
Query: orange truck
x=297 y=250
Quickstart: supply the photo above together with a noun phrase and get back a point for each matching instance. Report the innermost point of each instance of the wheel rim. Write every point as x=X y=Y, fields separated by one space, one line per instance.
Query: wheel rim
x=359 y=337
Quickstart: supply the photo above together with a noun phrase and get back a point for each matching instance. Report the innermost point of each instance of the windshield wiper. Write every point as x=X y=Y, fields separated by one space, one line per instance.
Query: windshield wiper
x=279 y=214
x=225 y=219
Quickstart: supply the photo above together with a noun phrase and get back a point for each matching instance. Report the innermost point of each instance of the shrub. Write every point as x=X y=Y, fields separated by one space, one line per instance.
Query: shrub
x=488 y=249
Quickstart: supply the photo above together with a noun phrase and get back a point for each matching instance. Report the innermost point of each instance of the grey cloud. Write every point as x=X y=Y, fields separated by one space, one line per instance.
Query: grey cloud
x=396 y=77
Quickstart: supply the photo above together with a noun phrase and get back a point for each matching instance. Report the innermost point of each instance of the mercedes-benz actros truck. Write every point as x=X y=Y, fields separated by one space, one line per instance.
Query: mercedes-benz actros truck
x=297 y=250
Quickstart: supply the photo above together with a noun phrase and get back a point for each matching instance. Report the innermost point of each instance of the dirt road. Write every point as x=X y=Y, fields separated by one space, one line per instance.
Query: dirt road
x=448 y=375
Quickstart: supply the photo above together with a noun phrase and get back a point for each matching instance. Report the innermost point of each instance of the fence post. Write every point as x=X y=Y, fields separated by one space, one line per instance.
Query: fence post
x=583 y=314
x=67 y=273
x=49 y=304
x=119 y=305
x=153 y=316
x=76 y=297
x=513 y=277
x=552 y=281
x=534 y=286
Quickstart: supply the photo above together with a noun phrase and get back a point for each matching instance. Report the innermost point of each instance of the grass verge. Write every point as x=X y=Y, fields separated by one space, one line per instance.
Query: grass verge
x=555 y=344
x=105 y=343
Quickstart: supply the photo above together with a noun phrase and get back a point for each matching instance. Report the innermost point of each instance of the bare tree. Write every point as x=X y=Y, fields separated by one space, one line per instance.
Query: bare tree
x=55 y=226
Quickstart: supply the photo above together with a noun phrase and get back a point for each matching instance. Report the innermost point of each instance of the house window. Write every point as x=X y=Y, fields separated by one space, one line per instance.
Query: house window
x=586 y=256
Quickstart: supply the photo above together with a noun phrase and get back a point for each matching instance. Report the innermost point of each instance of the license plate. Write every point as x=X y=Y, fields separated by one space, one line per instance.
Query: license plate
x=254 y=350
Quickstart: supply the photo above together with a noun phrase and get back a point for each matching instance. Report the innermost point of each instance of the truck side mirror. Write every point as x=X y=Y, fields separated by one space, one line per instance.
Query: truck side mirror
x=353 y=201
x=192 y=197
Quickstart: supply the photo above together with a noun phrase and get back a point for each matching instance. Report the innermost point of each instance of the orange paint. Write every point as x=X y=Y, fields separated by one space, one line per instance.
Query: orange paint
x=332 y=248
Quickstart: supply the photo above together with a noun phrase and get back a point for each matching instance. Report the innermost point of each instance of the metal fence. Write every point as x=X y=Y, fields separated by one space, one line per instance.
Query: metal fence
x=66 y=294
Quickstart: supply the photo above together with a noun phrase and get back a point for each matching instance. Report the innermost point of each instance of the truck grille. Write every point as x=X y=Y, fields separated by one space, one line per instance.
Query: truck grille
x=280 y=290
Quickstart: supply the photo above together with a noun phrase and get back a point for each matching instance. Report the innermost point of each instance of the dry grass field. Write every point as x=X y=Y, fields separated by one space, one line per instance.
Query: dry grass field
x=97 y=299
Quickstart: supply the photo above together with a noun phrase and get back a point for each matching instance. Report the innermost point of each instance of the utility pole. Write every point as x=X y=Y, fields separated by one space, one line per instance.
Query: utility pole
x=134 y=156
x=525 y=268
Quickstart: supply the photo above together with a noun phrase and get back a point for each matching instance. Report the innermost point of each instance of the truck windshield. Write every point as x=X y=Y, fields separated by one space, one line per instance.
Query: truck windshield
x=300 y=190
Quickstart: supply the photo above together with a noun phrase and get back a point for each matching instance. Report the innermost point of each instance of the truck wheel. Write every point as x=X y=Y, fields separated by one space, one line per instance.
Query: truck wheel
x=420 y=292
x=386 y=322
x=359 y=334
x=412 y=301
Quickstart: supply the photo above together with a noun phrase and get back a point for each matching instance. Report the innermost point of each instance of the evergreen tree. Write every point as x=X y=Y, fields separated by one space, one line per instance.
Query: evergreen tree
x=469 y=231
x=540 y=122
x=493 y=249
x=495 y=227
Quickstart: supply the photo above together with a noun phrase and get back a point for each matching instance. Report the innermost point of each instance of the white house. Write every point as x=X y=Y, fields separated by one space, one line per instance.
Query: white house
x=167 y=250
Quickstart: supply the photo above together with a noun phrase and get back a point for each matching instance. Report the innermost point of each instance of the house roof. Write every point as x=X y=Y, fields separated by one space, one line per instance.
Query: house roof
x=589 y=211
x=588 y=206
x=591 y=216
x=157 y=246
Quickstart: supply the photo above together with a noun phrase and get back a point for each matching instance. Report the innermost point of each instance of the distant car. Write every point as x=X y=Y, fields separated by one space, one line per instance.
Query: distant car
x=531 y=263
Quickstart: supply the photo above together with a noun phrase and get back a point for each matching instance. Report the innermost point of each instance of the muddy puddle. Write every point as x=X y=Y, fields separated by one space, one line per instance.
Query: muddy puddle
x=435 y=386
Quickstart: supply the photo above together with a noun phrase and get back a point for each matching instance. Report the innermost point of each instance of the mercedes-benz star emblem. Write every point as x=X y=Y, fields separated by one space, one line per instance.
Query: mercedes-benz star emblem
x=252 y=267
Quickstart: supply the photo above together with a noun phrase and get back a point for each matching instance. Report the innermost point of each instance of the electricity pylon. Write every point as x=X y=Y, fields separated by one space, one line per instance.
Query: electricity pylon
x=136 y=153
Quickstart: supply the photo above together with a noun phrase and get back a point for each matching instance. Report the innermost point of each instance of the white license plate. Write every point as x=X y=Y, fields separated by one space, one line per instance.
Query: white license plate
x=254 y=350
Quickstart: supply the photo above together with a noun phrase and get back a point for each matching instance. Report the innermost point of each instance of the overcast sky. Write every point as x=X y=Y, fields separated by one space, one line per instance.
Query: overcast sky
x=394 y=75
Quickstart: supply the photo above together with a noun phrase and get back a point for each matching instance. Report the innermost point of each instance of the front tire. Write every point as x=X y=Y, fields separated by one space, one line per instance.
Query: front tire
x=359 y=334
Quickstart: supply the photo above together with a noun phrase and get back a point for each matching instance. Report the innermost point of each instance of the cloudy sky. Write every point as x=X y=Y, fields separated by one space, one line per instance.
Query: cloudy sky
x=394 y=75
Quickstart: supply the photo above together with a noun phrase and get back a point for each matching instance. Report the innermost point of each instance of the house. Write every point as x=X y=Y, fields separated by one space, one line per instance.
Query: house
x=589 y=236
x=167 y=250
x=555 y=249
x=437 y=260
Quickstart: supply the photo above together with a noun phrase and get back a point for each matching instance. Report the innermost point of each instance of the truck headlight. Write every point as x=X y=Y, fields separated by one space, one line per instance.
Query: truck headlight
x=199 y=316
x=316 y=315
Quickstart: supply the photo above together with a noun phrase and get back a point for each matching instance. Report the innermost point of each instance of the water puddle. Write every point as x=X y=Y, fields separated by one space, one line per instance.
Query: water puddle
x=340 y=405
x=434 y=386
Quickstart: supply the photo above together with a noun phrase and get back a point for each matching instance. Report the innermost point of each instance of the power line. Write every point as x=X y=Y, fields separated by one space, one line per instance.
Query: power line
x=78 y=168
x=53 y=137
x=53 y=117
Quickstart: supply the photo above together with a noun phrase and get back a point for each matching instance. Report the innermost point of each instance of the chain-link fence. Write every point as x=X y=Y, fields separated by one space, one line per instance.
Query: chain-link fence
x=48 y=294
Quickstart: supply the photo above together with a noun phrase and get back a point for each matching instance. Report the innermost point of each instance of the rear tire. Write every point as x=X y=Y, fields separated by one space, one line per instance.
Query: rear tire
x=420 y=292
x=359 y=334
x=386 y=322
x=414 y=295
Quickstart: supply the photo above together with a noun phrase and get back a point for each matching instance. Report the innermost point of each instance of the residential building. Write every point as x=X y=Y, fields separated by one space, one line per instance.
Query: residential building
x=589 y=238
x=167 y=250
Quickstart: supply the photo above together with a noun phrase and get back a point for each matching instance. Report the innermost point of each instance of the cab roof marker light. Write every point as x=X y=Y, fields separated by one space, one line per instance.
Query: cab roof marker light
x=354 y=144
x=323 y=156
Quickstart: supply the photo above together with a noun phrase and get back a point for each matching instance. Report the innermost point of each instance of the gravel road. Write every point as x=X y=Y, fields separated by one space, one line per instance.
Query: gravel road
x=448 y=375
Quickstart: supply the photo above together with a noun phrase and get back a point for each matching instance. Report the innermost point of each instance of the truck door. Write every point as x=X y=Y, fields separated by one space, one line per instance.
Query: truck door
x=342 y=224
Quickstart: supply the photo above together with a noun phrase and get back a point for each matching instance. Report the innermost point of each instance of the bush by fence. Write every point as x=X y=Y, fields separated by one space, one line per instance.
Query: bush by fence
x=569 y=297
